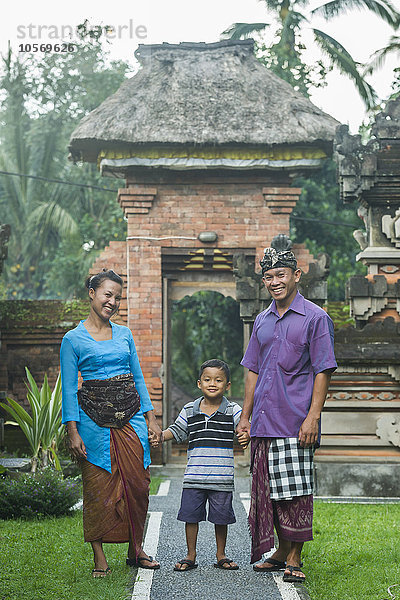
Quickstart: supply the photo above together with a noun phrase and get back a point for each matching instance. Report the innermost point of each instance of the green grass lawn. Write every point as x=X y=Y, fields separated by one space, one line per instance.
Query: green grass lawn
x=355 y=554
x=46 y=559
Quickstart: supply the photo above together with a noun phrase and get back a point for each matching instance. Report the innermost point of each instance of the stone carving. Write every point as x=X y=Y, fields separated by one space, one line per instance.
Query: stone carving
x=394 y=371
x=313 y=284
x=364 y=396
x=386 y=396
x=369 y=173
x=357 y=164
x=391 y=227
x=367 y=297
x=375 y=346
x=248 y=286
x=341 y=396
x=388 y=429
x=361 y=235
x=390 y=269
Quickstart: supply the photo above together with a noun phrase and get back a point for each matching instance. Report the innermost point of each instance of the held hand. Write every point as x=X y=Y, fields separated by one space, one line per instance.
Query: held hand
x=243 y=427
x=153 y=439
x=76 y=445
x=243 y=439
x=308 y=434
x=155 y=433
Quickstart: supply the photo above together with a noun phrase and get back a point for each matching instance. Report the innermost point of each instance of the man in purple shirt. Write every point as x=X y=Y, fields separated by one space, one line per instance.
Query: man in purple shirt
x=290 y=360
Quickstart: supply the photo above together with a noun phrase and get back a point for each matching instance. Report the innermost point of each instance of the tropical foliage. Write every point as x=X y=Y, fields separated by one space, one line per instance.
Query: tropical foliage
x=379 y=57
x=56 y=229
x=42 y=428
x=320 y=203
x=206 y=325
x=284 y=52
x=340 y=314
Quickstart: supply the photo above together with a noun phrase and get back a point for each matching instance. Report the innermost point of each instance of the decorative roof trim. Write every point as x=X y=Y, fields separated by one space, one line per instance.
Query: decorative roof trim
x=114 y=165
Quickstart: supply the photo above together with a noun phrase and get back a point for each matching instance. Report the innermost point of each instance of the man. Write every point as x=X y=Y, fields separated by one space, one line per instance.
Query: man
x=290 y=360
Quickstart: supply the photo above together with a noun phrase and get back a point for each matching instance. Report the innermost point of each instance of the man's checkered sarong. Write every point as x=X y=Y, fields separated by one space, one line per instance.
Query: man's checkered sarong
x=286 y=470
x=290 y=469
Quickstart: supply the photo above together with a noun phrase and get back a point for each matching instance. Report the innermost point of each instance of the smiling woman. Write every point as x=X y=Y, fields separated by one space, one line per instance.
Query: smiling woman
x=106 y=423
x=105 y=291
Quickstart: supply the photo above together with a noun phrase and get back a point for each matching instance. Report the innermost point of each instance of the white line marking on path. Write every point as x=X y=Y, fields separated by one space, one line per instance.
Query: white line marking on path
x=246 y=504
x=286 y=590
x=144 y=579
x=164 y=488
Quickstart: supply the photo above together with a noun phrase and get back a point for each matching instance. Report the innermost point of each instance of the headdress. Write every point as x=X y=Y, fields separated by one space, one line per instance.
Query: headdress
x=279 y=255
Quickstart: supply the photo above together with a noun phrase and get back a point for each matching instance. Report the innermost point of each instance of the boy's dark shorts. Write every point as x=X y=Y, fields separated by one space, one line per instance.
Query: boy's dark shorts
x=193 y=506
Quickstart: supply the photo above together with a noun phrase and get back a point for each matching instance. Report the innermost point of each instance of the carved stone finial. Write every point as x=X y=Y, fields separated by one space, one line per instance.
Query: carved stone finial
x=369 y=173
x=281 y=243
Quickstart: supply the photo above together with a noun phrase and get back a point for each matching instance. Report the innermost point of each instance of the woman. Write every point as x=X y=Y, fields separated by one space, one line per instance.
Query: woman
x=106 y=424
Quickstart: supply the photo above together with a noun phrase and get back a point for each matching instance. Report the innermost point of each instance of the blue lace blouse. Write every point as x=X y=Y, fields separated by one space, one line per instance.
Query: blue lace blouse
x=101 y=360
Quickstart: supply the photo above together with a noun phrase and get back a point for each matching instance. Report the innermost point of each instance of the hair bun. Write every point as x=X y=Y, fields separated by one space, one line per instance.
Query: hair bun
x=94 y=281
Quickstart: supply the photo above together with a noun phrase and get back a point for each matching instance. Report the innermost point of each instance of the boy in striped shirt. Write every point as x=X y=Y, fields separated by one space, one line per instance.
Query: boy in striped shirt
x=209 y=423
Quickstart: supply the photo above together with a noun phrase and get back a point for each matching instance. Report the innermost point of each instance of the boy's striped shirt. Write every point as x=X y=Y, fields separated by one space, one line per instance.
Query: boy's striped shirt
x=210 y=451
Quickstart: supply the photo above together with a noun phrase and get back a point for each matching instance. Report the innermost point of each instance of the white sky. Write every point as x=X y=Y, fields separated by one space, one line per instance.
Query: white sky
x=175 y=21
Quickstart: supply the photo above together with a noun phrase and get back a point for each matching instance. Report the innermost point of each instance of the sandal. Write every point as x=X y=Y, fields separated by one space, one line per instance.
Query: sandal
x=277 y=565
x=186 y=561
x=132 y=562
x=96 y=573
x=291 y=577
x=226 y=561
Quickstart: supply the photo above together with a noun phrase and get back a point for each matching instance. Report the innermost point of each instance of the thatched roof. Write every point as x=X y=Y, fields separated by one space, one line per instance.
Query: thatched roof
x=202 y=94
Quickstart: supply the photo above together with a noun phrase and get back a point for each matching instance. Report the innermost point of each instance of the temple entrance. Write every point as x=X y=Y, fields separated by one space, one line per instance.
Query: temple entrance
x=201 y=320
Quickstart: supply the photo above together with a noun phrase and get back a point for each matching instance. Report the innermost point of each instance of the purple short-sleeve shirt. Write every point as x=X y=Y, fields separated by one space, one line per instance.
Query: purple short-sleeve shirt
x=287 y=352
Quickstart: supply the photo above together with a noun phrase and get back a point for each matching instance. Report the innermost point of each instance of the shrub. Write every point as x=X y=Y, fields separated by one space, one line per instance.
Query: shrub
x=45 y=493
x=340 y=314
x=42 y=428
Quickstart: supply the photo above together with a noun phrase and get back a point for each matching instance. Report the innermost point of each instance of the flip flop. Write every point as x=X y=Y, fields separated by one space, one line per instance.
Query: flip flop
x=97 y=573
x=225 y=561
x=277 y=565
x=186 y=561
x=291 y=578
x=131 y=562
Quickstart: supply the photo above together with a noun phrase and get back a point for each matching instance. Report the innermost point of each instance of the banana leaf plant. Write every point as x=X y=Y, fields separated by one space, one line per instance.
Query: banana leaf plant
x=42 y=428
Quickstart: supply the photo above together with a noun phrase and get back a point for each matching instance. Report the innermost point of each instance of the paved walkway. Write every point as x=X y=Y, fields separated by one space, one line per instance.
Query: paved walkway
x=206 y=582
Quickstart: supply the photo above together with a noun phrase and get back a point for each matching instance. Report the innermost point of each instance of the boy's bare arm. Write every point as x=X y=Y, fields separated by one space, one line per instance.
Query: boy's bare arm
x=167 y=435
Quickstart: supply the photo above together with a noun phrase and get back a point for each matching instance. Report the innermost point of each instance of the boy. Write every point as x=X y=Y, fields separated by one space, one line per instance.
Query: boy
x=209 y=423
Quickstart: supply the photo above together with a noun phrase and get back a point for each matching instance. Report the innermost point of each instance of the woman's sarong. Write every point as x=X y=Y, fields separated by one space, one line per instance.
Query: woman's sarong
x=115 y=504
x=292 y=517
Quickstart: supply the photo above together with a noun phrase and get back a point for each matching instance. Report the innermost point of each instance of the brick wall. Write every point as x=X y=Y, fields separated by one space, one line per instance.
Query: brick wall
x=30 y=336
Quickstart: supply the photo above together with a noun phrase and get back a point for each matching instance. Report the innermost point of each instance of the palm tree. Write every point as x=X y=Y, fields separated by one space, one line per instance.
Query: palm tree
x=40 y=104
x=284 y=55
x=378 y=57
x=31 y=147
